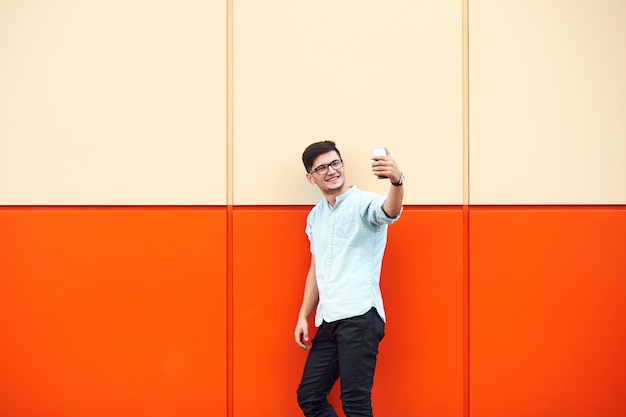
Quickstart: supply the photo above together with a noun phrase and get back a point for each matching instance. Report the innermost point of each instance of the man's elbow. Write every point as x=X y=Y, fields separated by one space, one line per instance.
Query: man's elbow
x=392 y=212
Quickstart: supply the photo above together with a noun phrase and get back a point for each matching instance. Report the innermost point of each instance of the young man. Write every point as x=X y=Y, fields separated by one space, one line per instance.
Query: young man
x=347 y=231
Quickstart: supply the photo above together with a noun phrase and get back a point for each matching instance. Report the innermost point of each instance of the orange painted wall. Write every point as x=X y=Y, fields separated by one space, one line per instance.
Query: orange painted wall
x=190 y=312
x=547 y=311
x=112 y=312
x=420 y=364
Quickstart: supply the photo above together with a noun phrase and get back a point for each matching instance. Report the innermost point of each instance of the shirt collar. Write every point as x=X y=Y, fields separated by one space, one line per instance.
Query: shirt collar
x=342 y=197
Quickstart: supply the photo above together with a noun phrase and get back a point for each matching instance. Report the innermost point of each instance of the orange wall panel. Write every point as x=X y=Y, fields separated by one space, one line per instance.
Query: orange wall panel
x=112 y=312
x=547 y=312
x=271 y=259
x=130 y=311
x=420 y=371
x=420 y=365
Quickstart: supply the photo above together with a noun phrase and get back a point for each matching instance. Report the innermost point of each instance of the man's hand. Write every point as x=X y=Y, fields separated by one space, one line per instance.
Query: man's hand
x=385 y=166
x=302 y=334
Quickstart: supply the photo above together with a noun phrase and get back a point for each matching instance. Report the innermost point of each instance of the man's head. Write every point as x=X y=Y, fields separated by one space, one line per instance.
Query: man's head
x=324 y=167
x=316 y=149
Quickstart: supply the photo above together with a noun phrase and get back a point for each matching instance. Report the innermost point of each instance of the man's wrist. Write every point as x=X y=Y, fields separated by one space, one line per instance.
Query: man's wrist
x=399 y=182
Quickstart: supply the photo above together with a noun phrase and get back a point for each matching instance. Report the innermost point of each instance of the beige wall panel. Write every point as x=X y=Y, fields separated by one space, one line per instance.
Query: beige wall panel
x=363 y=73
x=112 y=102
x=547 y=102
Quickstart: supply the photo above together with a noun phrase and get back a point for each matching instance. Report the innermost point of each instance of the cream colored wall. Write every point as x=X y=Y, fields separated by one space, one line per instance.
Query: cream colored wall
x=125 y=102
x=547 y=102
x=362 y=73
x=112 y=102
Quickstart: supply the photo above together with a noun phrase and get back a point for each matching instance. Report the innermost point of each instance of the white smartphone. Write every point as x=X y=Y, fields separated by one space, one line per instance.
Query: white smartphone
x=379 y=152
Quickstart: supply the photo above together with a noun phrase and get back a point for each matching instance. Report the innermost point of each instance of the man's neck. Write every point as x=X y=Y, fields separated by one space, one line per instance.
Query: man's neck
x=331 y=195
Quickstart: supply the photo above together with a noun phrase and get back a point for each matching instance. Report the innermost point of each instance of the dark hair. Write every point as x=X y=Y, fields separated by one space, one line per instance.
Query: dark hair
x=316 y=149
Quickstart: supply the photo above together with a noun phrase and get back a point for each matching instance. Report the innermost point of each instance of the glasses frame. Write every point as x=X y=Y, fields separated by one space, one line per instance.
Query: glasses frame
x=325 y=167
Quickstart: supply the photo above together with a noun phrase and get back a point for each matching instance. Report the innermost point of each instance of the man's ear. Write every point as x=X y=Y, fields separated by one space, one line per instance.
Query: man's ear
x=310 y=178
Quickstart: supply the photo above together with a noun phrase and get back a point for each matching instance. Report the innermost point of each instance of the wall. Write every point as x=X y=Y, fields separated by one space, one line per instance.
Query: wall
x=152 y=247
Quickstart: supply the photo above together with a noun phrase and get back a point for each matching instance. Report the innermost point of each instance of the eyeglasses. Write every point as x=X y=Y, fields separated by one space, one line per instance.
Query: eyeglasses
x=323 y=169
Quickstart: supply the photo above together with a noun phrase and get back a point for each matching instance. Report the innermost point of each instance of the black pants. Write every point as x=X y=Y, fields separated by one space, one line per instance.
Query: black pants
x=344 y=349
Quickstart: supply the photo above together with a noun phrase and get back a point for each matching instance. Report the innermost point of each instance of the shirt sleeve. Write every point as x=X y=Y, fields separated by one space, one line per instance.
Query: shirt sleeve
x=309 y=232
x=375 y=213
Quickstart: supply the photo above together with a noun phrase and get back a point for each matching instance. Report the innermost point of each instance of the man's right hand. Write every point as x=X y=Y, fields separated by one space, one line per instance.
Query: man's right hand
x=302 y=334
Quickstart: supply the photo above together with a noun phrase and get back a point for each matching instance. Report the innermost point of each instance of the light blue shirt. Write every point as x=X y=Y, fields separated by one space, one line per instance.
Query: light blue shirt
x=348 y=241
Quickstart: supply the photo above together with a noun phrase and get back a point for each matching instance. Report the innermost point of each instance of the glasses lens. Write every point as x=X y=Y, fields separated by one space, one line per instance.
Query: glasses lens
x=336 y=164
x=322 y=169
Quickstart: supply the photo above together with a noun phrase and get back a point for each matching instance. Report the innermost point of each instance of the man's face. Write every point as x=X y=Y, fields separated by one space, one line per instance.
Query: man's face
x=328 y=173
